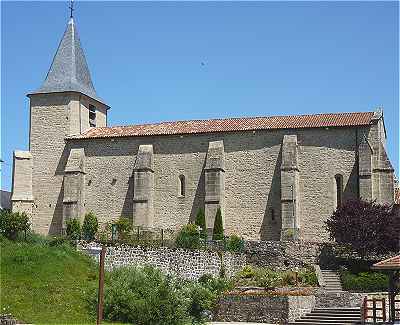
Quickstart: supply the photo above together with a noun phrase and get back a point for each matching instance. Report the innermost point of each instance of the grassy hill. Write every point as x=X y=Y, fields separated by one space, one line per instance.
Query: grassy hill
x=44 y=284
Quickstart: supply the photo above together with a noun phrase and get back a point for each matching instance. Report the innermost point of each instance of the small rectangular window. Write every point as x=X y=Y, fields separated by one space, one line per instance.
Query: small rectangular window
x=92 y=116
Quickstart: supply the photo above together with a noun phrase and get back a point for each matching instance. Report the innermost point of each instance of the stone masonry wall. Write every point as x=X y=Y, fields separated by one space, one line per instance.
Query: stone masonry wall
x=259 y=308
x=183 y=263
x=252 y=178
x=274 y=254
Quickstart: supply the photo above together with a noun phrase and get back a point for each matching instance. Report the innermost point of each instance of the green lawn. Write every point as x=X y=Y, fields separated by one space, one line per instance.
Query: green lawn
x=45 y=285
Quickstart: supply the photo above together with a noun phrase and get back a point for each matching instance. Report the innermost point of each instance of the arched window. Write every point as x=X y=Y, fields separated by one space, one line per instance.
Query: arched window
x=181 y=185
x=339 y=190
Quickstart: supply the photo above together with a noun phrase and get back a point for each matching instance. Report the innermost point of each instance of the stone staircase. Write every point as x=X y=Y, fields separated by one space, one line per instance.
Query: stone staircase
x=332 y=280
x=330 y=316
x=335 y=309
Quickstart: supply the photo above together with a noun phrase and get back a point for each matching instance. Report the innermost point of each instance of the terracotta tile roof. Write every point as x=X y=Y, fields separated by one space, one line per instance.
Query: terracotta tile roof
x=392 y=263
x=232 y=124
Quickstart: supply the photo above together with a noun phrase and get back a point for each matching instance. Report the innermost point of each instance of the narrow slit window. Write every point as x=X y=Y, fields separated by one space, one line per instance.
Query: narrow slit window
x=92 y=116
x=181 y=185
x=272 y=214
x=339 y=190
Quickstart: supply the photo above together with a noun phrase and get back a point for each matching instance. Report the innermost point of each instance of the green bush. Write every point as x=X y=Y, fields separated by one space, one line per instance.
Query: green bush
x=58 y=241
x=308 y=277
x=364 y=281
x=90 y=226
x=202 y=300
x=247 y=272
x=124 y=227
x=218 y=230
x=234 y=244
x=201 y=222
x=264 y=277
x=188 y=237
x=289 y=278
x=73 y=229
x=12 y=223
x=268 y=279
x=215 y=284
x=144 y=296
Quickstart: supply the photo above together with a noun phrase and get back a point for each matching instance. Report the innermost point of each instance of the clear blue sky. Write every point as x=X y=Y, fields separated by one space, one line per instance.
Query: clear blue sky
x=260 y=58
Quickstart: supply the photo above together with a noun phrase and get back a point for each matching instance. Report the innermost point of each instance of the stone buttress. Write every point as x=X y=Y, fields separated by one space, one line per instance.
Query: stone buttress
x=365 y=169
x=74 y=184
x=22 y=197
x=290 y=189
x=376 y=173
x=214 y=183
x=143 y=187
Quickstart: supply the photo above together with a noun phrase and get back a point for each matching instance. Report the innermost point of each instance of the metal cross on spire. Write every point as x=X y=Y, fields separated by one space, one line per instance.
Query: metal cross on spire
x=71 y=7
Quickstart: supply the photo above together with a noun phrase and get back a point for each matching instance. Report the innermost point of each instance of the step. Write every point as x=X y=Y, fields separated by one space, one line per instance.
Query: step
x=327 y=321
x=337 y=318
x=319 y=323
x=327 y=314
x=337 y=309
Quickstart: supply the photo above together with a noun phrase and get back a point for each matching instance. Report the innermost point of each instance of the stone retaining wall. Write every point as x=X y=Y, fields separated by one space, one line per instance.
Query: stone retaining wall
x=276 y=254
x=188 y=264
x=325 y=299
x=259 y=308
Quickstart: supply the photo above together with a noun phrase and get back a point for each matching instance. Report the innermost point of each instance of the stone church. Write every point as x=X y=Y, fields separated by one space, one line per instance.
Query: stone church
x=274 y=178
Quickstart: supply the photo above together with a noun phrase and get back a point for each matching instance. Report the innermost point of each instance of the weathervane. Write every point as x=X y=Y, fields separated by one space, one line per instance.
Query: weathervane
x=71 y=7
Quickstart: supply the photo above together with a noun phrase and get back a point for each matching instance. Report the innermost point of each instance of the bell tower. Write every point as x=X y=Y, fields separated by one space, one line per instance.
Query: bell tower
x=66 y=104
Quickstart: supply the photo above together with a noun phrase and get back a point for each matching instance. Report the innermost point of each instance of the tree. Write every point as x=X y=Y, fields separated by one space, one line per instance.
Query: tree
x=188 y=237
x=201 y=222
x=73 y=229
x=367 y=227
x=218 y=231
x=12 y=223
x=90 y=226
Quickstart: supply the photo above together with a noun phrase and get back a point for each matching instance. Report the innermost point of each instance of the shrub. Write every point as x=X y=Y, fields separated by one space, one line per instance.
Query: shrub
x=264 y=277
x=289 y=278
x=215 y=284
x=188 y=237
x=90 y=226
x=144 y=296
x=234 y=244
x=201 y=222
x=58 y=241
x=308 y=277
x=202 y=300
x=218 y=231
x=12 y=223
x=247 y=272
x=367 y=227
x=73 y=229
x=124 y=227
x=364 y=281
x=268 y=279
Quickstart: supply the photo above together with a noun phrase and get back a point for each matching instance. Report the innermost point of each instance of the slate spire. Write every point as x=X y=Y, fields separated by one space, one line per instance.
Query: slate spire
x=69 y=70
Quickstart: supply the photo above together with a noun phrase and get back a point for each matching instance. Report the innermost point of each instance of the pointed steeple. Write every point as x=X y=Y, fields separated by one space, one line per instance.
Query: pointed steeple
x=69 y=70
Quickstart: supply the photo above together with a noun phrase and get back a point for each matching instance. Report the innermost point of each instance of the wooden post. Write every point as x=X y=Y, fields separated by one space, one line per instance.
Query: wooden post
x=365 y=309
x=392 y=297
x=100 y=299
x=374 y=309
x=384 y=309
